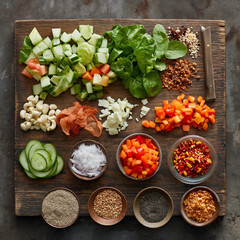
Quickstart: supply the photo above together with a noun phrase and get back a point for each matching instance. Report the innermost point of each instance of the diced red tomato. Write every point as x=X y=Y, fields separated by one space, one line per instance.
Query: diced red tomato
x=33 y=63
x=26 y=73
x=43 y=70
x=96 y=70
x=87 y=76
x=105 y=68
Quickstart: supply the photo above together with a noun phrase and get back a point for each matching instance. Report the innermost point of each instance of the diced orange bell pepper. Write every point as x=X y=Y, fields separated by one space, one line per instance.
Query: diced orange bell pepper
x=123 y=155
x=145 y=123
x=152 y=124
x=191 y=99
x=186 y=127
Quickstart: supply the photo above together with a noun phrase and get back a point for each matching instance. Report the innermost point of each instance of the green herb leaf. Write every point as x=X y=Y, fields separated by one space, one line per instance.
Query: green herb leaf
x=160 y=66
x=175 y=50
x=152 y=83
x=136 y=87
x=122 y=67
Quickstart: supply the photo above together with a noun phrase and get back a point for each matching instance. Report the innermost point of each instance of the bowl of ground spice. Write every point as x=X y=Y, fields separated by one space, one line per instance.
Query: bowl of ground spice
x=192 y=159
x=200 y=206
x=107 y=206
x=60 y=207
x=153 y=207
x=88 y=160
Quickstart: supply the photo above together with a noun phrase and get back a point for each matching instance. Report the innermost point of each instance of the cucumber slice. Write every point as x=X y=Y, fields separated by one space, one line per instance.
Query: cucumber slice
x=67 y=47
x=47 y=157
x=33 y=149
x=38 y=162
x=60 y=165
x=30 y=174
x=40 y=174
x=29 y=145
x=54 y=170
x=23 y=160
x=52 y=151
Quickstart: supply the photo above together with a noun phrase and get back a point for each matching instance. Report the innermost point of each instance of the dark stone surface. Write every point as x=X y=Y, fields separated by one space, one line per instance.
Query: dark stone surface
x=12 y=227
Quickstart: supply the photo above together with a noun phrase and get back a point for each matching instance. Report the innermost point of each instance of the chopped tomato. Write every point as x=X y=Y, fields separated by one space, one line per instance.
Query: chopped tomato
x=26 y=73
x=43 y=70
x=105 y=68
x=87 y=76
x=33 y=63
x=96 y=70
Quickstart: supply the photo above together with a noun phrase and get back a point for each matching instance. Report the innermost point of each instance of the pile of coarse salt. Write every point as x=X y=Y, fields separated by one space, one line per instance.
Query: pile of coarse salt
x=88 y=160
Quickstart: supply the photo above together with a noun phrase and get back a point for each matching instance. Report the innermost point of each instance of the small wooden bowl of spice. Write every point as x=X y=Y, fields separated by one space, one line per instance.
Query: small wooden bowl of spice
x=200 y=206
x=107 y=206
x=60 y=207
x=153 y=207
x=88 y=160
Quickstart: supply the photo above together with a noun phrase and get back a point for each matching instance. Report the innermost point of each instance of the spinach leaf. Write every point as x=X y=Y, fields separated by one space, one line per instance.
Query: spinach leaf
x=152 y=83
x=136 y=87
x=161 y=39
x=145 y=61
x=160 y=66
x=175 y=50
x=122 y=67
x=134 y=34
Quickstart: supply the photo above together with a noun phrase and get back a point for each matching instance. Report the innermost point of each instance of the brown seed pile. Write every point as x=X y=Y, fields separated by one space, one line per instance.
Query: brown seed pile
x=178 y=73
x=108 y=204
x=60 y=208
x=200 y=205
x=187 y=37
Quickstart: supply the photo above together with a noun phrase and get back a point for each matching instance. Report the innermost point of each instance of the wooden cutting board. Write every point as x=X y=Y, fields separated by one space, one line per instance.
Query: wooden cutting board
x=29 y=193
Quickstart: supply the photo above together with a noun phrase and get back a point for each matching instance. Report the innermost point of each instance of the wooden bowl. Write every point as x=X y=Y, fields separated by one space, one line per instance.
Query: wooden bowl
x=89 y=142
x=119 y=162
x=190 y=220
x=136 y=209
x=103 y=221
x=66 y=189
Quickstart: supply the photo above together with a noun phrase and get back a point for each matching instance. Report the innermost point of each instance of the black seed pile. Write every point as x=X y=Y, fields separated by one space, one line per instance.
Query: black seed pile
x=153 y=207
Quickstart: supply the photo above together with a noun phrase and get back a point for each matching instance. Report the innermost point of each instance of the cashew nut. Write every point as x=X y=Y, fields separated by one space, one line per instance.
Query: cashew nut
x=28 y=116
x=52 y=118
x=57 y=112
x=22 y=114
x=31 y=109
x=45 y=108
x=51 y=112
x=35 y=99
x=37 y=127
x=43 y=128
x=25 y=125
x=52 y=126
x=39 y=105
x=36 y=114
x=27 y=105
x=43 y=119
x=53 y=106
x=30 y=98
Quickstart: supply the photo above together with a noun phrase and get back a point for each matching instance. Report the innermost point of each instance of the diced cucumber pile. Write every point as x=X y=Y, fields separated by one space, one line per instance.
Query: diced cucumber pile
x=40 y=160
x=67 y=57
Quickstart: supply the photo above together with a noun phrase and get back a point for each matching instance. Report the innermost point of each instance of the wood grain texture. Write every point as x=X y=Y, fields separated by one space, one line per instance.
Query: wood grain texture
x=29 y=193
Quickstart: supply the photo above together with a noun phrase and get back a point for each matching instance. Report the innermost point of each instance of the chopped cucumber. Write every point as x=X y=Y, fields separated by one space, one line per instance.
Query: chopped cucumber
x=48 y=42
x=68 y=53
x=35 y=36
x=56 y=32
x=37 y=51
x=41 y=60
x=56 y=41
x=104 y=43
x=94 y=39
x=42 y=46
x=23 y=160
x=103 y=50
x=67 y=47
x=89 y=87
x=55 y=79
x=92 y=97
x=86 y=31
x=43 y=95
x=38 y=162
x=75 y=89
x=99 y=95
x=52 y=69
x=111 y=74
x=48 y=56
x=32 y=55
x=100 y=58
x=79 y=68
x=112 y=80
x=45 y=82
x=90 y=66
x=74 y=59
x=80 y=40
x=82 y=95
x=66 y=37
x=58 y=52
x=74 y=48
x=97 y=88
x=76 y=35
x=37 y=89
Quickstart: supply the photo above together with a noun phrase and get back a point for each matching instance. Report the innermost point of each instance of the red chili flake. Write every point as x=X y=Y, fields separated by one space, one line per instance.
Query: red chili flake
x=192 y=158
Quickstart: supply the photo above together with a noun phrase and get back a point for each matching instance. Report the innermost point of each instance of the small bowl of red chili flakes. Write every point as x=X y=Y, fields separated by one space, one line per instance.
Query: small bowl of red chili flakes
x=192 y=159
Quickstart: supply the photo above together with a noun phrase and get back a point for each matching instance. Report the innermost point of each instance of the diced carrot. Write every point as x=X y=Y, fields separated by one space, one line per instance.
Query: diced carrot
x=199 y=99
x=202 y=103
x=105 y=68
x=165 y=102
x=181 y=97
x=176 y=119
x=87 y=76
x=165 y=122
x=187 y=110
x=125 y=148
x=205 y=126
x=198 y=120
x=158 y=129
x=191 y=99
x=191 y=105
x=157 y=120
x=134 y=175
x=95 y=70
x=123 y=155
x=145 y=123
x=185 y=102
x=136 y=144
x=152 y=124
x=186 y=127
x=211 y=119
x=127 y=170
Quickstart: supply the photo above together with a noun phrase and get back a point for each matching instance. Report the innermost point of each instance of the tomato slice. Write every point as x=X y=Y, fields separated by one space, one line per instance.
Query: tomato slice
x=34 y=64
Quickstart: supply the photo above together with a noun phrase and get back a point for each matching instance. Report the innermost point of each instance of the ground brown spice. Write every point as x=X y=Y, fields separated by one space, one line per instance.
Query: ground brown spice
x=60 y=208
x=108 y=204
